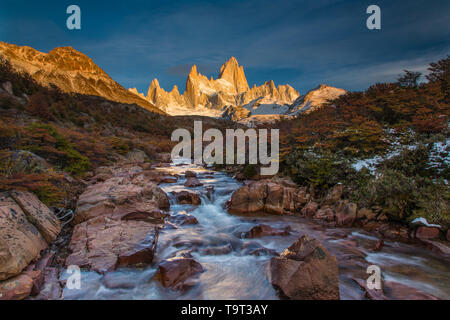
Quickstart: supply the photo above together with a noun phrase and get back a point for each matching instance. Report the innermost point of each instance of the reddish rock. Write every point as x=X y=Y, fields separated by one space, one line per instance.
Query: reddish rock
x=263 y=252
x=310 y=209
x=20 y=240
x=379 y=246
x=210 y=192
x=346 y=214
x=51 y=288
x=190 y=174
x=372 y=294
x=264 y=230
x=266 y=196
x=305 y=271
x=174 y=272
x=183 y=218
x=423 y=232
x=37 y=276
x=16 y=288
x=187 y=197
x=217 y=251
x=192 y=183
x=399 y=291
x=103 y=243
x=325 y=213
x=102 y=199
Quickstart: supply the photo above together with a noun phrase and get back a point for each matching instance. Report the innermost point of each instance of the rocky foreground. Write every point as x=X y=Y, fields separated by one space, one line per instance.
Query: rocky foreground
x=122 y=211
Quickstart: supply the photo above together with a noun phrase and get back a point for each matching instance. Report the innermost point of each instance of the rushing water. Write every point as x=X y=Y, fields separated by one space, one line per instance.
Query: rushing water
x=239 y=275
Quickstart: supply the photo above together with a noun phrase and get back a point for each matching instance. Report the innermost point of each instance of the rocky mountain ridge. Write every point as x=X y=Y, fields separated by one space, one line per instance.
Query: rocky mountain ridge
x=210 y=96
x=71 y=71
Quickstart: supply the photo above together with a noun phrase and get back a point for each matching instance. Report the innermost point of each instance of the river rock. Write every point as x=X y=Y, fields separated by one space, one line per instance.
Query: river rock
x=187 y=197
x=427 y=233
x=174 y=272
x=183 y=218
x=266 y=196
x=305 y=271
x=102 y=244
x=190 y=174
x=102 y=198
x=345 y=213
x=193 y=183
x=325 y=213
x=310 y=209
x=264 y=230
x=16 y=288
x=21 y=240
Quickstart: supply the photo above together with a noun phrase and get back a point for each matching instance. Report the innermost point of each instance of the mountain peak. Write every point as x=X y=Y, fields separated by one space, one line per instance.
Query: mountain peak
x=234 y=74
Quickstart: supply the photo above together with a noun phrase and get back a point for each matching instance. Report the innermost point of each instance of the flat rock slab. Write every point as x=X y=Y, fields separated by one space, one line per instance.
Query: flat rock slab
x=102 y=244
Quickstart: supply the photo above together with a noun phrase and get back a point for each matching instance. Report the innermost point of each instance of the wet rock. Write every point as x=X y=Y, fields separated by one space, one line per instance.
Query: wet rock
x=310 y=209
x=264 y=230
x=438 y=246
x=333 y=195
x=20 y=239
x=190 y=174
x=346 y=214
x=266 y=196
x=209 y=192
x=187 y=197
x=379 y=246
x=427 y=233
x=174 y=272
x=305 y=271
x=16 y=288
x=101 y=199
x=263 y=252
x=217 y=251
x=102 y=244
x=51 y=287
x=325 y=213
x=399 y=291
x=372 y=294
x=192 y=183
x=183 y=218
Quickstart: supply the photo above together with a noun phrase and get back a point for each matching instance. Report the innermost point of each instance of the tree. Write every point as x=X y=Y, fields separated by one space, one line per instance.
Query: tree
x=409 y=79
x=440 y=72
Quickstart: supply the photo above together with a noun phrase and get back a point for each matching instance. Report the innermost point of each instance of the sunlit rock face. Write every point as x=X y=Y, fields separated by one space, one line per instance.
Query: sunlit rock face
x=212 y=97
x=71 y=71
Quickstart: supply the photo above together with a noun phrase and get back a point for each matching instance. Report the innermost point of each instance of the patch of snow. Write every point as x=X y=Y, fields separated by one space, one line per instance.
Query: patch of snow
x=423 y=221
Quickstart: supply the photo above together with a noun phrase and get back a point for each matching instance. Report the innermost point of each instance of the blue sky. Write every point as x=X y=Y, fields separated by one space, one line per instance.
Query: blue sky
x=303 y=43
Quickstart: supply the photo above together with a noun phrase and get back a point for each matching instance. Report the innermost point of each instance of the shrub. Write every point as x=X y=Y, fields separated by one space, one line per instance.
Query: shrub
x=250 y=171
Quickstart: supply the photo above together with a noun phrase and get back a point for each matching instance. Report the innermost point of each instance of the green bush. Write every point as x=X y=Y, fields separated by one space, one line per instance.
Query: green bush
x=320 y=170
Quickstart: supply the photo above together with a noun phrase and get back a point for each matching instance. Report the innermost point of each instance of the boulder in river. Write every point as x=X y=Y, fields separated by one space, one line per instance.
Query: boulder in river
x=305 y=271
x=264 y=230
x=187 y=197
x=193 y=183
x=266 y=196
x=174 y=272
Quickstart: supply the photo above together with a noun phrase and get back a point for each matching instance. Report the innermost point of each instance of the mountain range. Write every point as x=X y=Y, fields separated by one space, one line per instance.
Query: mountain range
x=228 y=96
